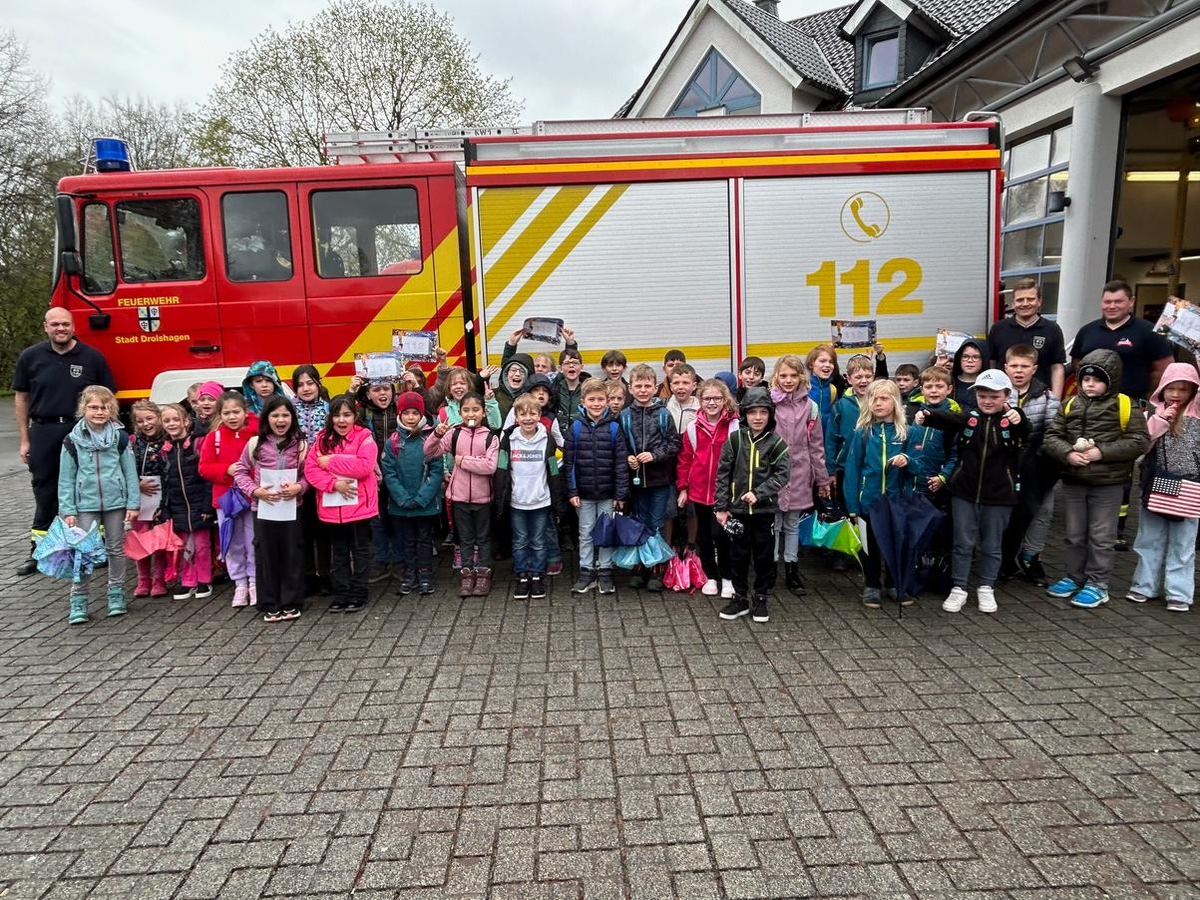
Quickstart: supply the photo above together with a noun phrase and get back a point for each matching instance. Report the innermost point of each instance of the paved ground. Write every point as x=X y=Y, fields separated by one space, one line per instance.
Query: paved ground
x=617 y=748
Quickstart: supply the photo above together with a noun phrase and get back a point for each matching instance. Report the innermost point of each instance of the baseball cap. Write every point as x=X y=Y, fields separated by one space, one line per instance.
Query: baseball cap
x=993 y=380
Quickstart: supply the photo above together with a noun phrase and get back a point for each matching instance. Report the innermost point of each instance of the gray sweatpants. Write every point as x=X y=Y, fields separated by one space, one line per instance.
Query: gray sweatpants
x=977 y=524
x=113 y=521
x=1091 y=530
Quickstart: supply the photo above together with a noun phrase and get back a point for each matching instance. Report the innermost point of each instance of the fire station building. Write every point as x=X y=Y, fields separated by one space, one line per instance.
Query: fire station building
x=1100 y=103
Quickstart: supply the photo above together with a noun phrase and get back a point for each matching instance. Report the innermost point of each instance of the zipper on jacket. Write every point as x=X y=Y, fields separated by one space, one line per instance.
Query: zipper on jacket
x=183 y=486
x=987 y=436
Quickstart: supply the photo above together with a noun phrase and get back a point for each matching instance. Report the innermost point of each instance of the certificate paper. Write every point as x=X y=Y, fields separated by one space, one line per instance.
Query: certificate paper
x=1180 y=324
x=948 y=341
x=848 y=333
x=418 y=345
x=378 y=366
x=280 y=510
x=333 y=498
x=548 y=331
x=149 y=503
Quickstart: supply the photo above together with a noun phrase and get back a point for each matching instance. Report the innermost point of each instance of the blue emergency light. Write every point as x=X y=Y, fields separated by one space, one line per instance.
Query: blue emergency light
x=112 y=155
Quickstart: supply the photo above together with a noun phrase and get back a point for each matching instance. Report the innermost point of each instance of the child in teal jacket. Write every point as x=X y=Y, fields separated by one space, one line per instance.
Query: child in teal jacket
x=414 y=484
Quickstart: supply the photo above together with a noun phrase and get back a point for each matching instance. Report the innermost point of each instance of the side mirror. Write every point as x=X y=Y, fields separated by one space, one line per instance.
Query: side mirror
x=71 y=263
x=65 y=209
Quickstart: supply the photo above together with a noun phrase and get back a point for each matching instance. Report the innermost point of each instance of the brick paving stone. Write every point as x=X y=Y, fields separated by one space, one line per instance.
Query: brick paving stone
x=628 y=747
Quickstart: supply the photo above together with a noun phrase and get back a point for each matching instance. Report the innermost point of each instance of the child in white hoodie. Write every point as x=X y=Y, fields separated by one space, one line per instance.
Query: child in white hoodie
x=527 y=453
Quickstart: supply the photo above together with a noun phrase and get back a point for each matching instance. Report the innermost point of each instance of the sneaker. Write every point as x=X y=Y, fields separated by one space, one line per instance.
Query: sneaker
x=521 y=591
x=727 y=591
x=637 y=581
x=379 y=572
x=426 y=587
x=186 y=593
x=537 y=587
x=908 y=600
x=986 y=595
x=1090 y=596
x=760 y=613
x=457 y=563
x=605 y=583
x=711 y=588
x=408 y=584
x=585 y=582
x=888 y=595
x=1135 y=597
x=253 y=594
x=272 y=616
x=735 y=609
x=288 y=614
x=241 y=595
x=554 y=568
x=1031 y=568
x=339 y=605
x=79 y=609
x=955 y=601
x=1063 y=588
x=1122 y=544
x=356 y=605
x=1178 y=606
x=871 y=598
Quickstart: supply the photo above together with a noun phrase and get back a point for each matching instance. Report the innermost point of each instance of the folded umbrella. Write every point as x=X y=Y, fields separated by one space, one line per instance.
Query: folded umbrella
x=231 y=505
x=654 y=551
x=69 y=552
x=604 y=532
x=630 y=531
x=903 y=527
x=140 y=544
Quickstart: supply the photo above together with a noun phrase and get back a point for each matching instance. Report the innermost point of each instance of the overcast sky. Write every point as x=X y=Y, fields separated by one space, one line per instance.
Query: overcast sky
x=567 y=58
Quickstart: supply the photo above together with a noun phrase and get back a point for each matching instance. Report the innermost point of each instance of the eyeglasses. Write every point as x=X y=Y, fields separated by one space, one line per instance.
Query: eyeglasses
x=712 y=399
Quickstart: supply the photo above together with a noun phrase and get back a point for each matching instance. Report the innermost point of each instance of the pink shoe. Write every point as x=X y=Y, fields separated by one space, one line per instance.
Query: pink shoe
x=158 y=587
x=253 y=594
x=143 y=587
x=241 y=595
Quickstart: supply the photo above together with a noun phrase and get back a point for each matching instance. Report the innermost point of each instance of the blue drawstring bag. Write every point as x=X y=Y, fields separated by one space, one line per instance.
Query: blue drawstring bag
x=625 y=557
x=655 y=551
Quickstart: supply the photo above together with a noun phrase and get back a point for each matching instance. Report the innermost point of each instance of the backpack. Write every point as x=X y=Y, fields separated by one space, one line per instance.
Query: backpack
x=730 y=427
x=502 y=479
x=1124 y=408
x=123 y=441
x=626 y=420
x=252 y=445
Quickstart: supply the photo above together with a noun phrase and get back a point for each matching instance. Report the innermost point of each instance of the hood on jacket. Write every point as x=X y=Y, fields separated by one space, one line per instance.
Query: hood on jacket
x=84 y=437
x=1178 y=371
x=730 y=381
x=1110 y=363
x=537 y=379
x=261 y=367
x=956 y=366
x=525 y=362
x=758 y=396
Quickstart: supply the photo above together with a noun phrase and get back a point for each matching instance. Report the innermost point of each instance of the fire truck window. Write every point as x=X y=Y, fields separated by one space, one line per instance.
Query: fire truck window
x=257 y=242
x=367 y=233
x=99 y=265
x=160 y=240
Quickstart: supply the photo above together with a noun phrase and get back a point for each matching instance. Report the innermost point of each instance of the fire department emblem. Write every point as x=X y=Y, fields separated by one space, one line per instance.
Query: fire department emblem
x=76 y=371
x=148 y=318
x=1039 y=342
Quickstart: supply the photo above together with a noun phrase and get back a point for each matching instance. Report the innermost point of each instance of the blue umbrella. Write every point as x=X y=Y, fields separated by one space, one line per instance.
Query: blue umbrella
x=69 y=552
x=231 y=505
x=903 y=527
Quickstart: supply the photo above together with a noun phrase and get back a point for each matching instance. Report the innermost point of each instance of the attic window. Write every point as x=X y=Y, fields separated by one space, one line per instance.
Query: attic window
x=882 y=63
x=717 y=88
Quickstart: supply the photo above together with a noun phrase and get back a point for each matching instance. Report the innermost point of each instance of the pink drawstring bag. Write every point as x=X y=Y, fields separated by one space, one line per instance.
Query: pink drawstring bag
x=695 y=569
x=677 y=576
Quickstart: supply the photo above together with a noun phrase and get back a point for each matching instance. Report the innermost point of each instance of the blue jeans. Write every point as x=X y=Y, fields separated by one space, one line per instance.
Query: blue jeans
x=980 y=523
x=787 y=524
x=589 y=511
x=529 y=530
x=1166 y=557
x=387 y=538
x=650 y=506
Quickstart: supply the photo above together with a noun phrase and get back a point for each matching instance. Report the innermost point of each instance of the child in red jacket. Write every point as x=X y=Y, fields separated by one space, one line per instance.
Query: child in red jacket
x=219 y=455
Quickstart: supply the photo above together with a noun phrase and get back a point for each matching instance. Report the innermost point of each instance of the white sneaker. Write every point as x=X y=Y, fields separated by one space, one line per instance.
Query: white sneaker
x=956 y=600
x=711 y=588
x=241 y=595
x=185 y=593
x=987 y=599
x=253 y=594
x=726 y=589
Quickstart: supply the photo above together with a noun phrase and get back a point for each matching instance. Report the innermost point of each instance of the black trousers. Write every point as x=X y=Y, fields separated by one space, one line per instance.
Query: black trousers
x=316 y=538
x=279 y=564
x=757 y=543
x=416 y=537
x=712 y=543
x=872 y=562
x=350 y=560
x=45 y=445
x=474 y=522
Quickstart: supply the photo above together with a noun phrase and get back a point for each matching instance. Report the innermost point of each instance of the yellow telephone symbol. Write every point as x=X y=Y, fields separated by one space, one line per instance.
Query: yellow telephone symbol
x=865 y=217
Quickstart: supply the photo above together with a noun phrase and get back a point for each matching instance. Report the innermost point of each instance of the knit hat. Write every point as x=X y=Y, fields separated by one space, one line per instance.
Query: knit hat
x=1094 y=371
x=410 y=400
x=210 y=389
x=994 y=380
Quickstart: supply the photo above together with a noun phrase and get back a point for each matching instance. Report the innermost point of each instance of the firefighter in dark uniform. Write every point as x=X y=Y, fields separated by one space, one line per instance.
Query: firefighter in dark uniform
x=47 y=381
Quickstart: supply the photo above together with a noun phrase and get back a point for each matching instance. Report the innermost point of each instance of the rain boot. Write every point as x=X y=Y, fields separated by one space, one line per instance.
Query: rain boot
x=116 y=600
x=79 y=605
x=158 y=584
x=793 y=579
x=483 y=582
x=143 y=583
x=466 y=584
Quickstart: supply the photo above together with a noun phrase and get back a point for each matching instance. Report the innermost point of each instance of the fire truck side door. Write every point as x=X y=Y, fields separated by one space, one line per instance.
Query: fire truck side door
x=260 y=294
x=368 y=267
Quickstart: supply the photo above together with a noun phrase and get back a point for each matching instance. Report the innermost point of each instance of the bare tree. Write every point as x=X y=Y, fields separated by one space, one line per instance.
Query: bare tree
x=159 y=135
x=359 y=65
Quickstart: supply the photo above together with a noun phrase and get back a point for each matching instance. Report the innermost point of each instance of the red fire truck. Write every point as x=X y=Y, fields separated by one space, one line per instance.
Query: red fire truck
x=721 y=237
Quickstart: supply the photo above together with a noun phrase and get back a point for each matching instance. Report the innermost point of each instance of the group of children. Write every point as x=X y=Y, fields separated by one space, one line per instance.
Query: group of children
x=353 y=490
